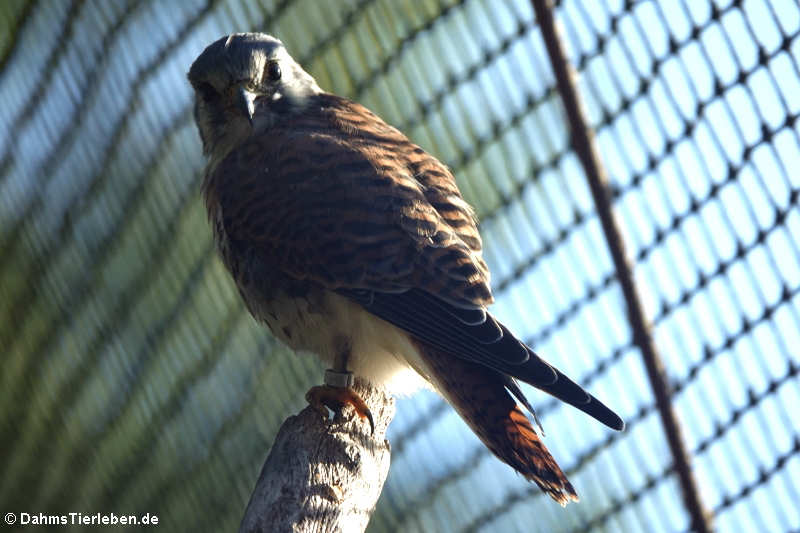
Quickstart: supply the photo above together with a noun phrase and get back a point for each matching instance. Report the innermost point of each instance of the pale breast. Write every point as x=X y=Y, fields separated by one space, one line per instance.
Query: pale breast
x=309 y=318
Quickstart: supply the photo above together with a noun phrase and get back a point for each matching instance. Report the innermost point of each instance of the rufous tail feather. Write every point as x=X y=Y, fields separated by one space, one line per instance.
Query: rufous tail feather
x=480 y=397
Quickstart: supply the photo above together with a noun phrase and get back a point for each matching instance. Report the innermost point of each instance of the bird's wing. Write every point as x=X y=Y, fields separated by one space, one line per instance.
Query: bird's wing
x=442 y=327
x=337 y=197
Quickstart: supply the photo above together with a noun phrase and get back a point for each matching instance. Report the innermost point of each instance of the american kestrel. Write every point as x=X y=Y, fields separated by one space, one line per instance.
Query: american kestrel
x=351 y=242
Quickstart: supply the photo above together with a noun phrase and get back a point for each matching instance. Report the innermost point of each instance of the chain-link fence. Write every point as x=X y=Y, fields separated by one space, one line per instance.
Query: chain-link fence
x=134 y=382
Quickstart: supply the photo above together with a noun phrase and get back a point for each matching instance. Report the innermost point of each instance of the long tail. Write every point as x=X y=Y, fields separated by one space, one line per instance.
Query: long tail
x=480 y=397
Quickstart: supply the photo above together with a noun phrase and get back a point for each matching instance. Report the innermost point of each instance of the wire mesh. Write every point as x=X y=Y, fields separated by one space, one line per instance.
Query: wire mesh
x=133 y=381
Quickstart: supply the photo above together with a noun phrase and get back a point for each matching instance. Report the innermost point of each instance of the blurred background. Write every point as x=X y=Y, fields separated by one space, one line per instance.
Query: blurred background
x=133 y=380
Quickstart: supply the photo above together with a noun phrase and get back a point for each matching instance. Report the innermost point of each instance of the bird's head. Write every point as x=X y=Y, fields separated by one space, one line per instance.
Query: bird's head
x=242 y=82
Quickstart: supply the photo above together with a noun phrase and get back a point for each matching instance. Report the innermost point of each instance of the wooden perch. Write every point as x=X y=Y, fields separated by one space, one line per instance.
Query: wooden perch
x=323 y=475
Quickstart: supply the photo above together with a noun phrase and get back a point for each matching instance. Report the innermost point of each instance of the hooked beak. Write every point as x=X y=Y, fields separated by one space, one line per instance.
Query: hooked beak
x=244 y=102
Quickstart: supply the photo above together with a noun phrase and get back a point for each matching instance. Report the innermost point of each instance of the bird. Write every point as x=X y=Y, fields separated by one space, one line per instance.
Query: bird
x=350 y=242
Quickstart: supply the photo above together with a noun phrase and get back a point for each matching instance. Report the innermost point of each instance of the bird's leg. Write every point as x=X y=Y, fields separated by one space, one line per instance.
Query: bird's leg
x=338 y=391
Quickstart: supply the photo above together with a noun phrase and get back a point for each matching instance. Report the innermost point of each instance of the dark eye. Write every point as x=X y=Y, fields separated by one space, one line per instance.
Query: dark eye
x=206 y=91
x=274 y=71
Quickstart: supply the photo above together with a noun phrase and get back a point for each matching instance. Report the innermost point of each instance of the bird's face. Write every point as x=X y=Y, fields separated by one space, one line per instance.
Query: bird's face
x=245 y=82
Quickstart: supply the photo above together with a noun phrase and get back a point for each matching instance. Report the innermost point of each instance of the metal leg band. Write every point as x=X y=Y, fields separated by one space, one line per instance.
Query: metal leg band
x=338 y=379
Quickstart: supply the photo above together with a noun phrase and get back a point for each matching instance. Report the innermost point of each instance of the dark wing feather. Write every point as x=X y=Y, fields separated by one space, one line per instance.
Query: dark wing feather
x=570 y=392
x=336 y=196
x=419 y=314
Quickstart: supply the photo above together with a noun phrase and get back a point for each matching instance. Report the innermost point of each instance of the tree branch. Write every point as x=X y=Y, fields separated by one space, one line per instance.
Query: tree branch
x=323 y=475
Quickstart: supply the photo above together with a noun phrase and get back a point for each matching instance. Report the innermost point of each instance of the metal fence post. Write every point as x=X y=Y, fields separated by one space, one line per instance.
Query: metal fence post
x=584 y=145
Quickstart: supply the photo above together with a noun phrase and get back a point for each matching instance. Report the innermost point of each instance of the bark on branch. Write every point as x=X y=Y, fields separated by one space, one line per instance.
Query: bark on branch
x=323 y=475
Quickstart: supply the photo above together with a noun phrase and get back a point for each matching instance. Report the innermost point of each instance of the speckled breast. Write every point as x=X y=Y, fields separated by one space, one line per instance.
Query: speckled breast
x=291 y=308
